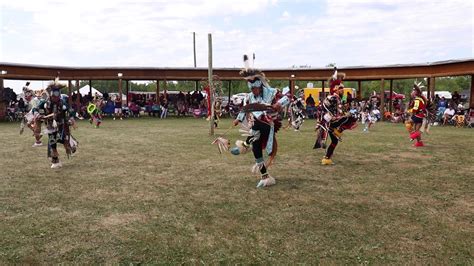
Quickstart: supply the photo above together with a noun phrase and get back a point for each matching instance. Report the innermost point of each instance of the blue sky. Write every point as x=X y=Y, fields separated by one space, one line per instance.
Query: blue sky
x=281 y=33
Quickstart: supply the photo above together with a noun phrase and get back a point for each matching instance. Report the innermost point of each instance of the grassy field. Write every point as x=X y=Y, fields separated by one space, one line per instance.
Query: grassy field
x=156 y=191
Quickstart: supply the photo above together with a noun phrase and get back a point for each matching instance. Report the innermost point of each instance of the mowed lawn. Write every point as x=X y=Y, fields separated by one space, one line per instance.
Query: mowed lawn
x=156 y=191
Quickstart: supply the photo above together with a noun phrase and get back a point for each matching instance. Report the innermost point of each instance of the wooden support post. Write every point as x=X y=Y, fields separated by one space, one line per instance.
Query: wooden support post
x=120 y=89
x=126 y=90
x=3 y=104
x=471 y=101
x=69 y=89
x=323 y=92
x=90 y=88
x=428 y=93
x=359 y=90
x=230 y=89
x=292 y=87
x=158 y=91
x=390 y=96
x=382 y=99
x=78 y=97
x=431 y=88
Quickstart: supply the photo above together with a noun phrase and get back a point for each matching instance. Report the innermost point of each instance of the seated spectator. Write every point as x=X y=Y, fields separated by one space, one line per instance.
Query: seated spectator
x=148 y=107
x=376 y=113
x=134 y=109
x=448 y=114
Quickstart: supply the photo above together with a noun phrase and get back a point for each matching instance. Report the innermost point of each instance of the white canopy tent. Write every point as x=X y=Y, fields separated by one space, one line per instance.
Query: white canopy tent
x=85 y=90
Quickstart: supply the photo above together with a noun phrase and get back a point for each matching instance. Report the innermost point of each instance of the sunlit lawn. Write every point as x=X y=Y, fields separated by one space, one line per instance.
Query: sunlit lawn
x=155 y=191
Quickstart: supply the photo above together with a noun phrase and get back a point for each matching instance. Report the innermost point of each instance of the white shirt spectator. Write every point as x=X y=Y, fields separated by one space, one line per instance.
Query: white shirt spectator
x=449 y=111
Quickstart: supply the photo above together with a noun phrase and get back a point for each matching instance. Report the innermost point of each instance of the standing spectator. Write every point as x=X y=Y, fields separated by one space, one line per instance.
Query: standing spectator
x=181 y=104
x=21 y=105
x=456 y=98
x=118 y=107
x=164 y=107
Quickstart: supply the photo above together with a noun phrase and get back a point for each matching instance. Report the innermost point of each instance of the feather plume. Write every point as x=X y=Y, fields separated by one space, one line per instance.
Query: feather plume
x=246 y=62
x=222 y=144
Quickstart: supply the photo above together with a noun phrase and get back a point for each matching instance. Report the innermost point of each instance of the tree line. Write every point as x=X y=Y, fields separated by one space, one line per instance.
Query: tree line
x=403 y=86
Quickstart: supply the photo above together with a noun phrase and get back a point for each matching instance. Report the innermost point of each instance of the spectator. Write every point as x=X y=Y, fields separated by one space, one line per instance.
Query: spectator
x=134 y=109
x=21 y=105
x=118 y=107
x=164 y=108
x=448 y=114
x=456 y=98
x=310 y=101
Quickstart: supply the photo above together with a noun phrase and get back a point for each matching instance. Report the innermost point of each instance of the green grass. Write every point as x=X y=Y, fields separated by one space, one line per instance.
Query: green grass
x=156 y=191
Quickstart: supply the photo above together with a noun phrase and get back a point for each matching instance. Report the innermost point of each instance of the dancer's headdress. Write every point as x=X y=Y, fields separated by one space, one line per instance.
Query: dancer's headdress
x=336 y=80
x=253 y=76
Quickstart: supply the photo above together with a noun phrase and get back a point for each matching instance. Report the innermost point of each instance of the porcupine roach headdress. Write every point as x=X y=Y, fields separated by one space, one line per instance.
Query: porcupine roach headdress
x=253 y=76
x=335 y=81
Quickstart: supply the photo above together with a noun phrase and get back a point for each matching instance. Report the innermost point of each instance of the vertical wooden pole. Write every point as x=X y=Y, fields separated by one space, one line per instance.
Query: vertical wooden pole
x=90 y=88
x=390 y=96
x=292 y=87
x=211 y=89
x=120 y=89
x=359 y=90
x=194 y=48
x=323 y=93
x=158 y=91
x=230 y=89
x=3 y=106
x=382 y=99
x=126 y=90
x=78 y=97
x=471 y=101
x=431 y=88
x=69 y=89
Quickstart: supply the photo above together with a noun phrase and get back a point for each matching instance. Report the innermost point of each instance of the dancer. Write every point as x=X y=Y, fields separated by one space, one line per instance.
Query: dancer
x=417 y=109
x=31 y=117
x=55 y=114
x=260 y=121
x=296 y=111
x=95 y=112
x=332 y=119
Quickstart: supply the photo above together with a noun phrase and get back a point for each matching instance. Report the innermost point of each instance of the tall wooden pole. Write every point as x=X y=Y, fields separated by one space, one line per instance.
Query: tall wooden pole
x=194 y=47
x=211 y=89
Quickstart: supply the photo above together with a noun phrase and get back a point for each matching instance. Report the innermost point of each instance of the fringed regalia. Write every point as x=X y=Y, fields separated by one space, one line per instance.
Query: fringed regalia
x=57 y=117
x=296 y=113
x=417 y=109
x=31 y=118
x=260 y=121
x=332 y=120
x=95 y=112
